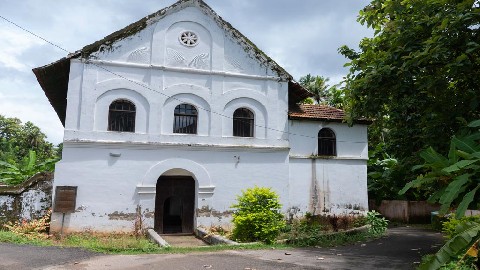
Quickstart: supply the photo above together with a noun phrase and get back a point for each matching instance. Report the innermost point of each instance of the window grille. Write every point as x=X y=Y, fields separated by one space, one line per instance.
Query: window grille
x=243 y=123
x=121 y=116
x=327 y=143
x=185 y=119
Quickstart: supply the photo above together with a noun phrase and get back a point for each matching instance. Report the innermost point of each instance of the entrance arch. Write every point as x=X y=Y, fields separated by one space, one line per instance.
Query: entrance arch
x=175 y=204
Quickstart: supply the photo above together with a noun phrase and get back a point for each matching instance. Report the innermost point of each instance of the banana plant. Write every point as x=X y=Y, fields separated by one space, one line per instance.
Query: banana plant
x=13 y=174
x=457 y=177
x=464 y=243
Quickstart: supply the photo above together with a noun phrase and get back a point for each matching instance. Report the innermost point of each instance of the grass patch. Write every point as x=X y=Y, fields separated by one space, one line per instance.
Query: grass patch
x=122 y=244
x=311 y=231
x=110 y=243
x=129 y=244
x=10 y=237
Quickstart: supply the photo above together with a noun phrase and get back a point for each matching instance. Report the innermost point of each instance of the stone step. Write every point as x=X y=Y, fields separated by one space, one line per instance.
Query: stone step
x=182 y=240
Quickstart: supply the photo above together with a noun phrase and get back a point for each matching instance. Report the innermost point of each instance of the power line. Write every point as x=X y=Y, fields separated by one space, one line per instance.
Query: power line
x=33 y=34
x=144 y=86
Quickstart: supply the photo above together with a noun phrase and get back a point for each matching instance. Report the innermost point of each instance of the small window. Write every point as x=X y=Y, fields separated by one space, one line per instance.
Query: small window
x=121 y=116
x=185 y=119
x=327 y=143
x=243 y=123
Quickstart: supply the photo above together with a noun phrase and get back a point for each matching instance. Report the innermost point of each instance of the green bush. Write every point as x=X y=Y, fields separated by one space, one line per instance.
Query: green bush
x=449 y=226
x=378 y=224
x=257 y=216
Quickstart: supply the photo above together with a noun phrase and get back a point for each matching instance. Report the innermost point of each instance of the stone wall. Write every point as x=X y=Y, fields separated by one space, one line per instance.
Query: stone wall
x=28 y=200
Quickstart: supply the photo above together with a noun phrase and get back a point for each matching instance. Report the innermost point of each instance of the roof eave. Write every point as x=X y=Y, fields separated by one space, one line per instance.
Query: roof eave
x=53 y=78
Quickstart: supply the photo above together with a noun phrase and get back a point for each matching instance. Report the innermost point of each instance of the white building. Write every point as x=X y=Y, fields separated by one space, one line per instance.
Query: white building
x=179 y=112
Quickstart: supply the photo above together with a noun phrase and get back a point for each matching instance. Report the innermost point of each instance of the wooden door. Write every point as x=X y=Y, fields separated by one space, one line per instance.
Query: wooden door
x=174 y=204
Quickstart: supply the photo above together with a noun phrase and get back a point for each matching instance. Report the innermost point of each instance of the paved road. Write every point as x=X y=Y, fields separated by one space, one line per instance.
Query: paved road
x=400 y=249
x=13 y=257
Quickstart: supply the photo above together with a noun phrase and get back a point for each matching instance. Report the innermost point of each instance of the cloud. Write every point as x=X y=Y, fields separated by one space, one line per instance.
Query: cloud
x=13 y=43
x=25 y=100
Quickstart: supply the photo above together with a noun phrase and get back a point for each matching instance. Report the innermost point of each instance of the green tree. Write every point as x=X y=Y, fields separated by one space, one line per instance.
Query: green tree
x=336 y=96
x=17 y=140
x=317 y=85
x=24 y=151
x=416 y=76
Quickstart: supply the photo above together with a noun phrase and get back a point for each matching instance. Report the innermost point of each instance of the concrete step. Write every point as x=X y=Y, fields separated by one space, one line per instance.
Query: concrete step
x=182 y=240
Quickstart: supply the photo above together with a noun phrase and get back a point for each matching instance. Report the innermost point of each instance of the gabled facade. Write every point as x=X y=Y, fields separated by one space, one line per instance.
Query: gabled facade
x=177 y=113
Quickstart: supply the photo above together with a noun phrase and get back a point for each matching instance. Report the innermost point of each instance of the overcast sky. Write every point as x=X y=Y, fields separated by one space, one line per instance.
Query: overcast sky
x=302 y=36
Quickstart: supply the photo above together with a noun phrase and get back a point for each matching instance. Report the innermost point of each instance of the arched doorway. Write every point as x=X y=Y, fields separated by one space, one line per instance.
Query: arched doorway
x=174 y=204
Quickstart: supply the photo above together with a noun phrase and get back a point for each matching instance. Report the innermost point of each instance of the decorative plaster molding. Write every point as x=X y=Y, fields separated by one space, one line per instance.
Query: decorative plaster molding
x=149 y=189
x=175 y=57
x=200 y=61
x=141 y=189
x=327 y=158
x=183 y=70
x=188 y=38
x=141 y=55
x=235 y=63
x=206 y=190
x=191 y=147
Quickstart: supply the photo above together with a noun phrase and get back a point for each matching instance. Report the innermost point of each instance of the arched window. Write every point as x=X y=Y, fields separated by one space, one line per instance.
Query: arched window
x=243 y=123
x=185 y=119
x=121 y=116
x=327 y=144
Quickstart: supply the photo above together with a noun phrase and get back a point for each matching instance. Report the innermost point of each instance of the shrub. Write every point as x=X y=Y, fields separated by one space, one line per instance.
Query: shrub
x=378 y=224
x=257 y=216
x=449 y=226
x=34 y=229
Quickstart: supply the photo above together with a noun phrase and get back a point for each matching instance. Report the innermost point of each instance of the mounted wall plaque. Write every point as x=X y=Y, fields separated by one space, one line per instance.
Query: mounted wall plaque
x=65 y=199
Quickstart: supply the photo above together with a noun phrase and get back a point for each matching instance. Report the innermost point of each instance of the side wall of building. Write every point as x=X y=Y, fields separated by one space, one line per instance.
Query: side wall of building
x=328 y=185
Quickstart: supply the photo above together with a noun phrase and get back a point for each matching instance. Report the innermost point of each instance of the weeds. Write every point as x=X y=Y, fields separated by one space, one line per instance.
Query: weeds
x=330 y=230
x=123 y=243
x=138 y=228
x=34 y=229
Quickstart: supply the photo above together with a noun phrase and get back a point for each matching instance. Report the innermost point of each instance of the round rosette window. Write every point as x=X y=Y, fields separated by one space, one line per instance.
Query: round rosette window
x=188 y=38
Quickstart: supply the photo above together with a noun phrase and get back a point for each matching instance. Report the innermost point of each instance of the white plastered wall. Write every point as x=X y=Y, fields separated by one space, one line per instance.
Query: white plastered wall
x=328 y=185
x=111 y=187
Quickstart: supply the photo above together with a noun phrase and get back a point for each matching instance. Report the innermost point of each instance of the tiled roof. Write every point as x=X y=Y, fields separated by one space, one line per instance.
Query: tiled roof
x=321 y=113
x=316 y=112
